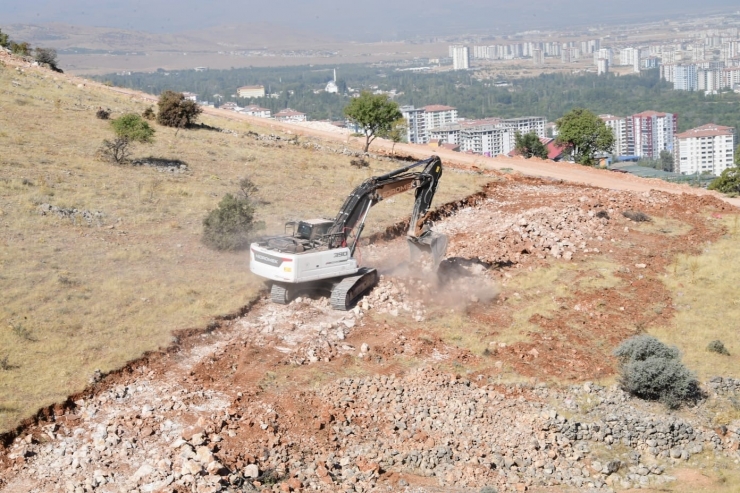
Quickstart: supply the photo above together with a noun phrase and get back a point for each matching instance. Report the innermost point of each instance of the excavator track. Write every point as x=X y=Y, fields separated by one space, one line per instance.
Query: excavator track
x=280 y=294
x=350 y=289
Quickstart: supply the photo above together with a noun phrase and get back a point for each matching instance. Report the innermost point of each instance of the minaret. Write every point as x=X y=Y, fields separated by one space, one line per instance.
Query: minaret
x=335 y=76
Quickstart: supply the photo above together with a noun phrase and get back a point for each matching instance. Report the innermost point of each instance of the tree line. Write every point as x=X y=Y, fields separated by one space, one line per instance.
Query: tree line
x=549 y=95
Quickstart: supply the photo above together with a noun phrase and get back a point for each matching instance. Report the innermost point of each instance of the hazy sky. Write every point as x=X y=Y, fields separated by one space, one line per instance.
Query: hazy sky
x=379 y=19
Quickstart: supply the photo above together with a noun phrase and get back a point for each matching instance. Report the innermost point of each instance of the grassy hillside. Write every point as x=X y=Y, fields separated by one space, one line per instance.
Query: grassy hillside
x=81 y=295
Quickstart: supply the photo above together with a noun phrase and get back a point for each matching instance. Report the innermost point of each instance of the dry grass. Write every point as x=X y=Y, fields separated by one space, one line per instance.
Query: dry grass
x=78 y=297
x=704 y=291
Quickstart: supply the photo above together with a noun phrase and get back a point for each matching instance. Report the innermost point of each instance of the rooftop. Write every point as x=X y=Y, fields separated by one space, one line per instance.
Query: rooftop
x=438 y=107
x=708 y=130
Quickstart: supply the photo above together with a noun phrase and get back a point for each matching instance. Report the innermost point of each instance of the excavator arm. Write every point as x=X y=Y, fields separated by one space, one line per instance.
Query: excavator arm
x=351 y=217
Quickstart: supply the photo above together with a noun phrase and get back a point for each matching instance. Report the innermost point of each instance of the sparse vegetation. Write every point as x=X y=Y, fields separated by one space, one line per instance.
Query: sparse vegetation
x=232 y=224
x=718 y=347
x=176 y=111
x=529 y=146
x=727 y=182
x=103 y=321
x=652 y=370
x=47 y=56
x=128 y=128
x=359 y=163
x=102 y=113
x=149 y=114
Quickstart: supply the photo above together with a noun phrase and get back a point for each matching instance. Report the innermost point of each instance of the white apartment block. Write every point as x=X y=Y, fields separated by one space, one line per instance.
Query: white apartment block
x=420 y=120
x=602 y=66
x=538 y=58
x=487 y=140
x=605 y=53
x=460 y=57
x=527 y=124
x=622 y=134
x=489 y=137
x=708 y=148
x=251 y=92
x=630 y=57
x=685 y=78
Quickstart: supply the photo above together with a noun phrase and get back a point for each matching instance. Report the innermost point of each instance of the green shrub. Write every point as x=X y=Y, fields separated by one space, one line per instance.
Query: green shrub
x=653 y=371
x=727 y=182
x=717 y=347
x=133 y=127
x=231 y=225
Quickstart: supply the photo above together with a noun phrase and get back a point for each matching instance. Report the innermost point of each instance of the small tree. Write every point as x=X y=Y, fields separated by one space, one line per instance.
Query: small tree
x=374 y=114
x=651 y=370
x=666 y=161
x=584 y=134
x=128 y=128
x=176 y=111
x=727 y=182
x=47 y=56
x=397 y=133
x=230 y=226
x=529 y=145
x=4 y=39
x=737 y=155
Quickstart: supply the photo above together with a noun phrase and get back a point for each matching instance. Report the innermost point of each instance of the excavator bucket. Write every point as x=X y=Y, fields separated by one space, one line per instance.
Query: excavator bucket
x=434 y=243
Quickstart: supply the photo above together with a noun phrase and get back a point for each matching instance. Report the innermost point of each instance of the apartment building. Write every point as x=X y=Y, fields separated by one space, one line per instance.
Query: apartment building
x=602 y=66
x=622 y=131
x=420 y=120
x=251 y=92
x=653 y=132
x=487 y=140
x=630 y=57
x=460 y=57
x=686 y=78
x=489 y=137
x=708 y=148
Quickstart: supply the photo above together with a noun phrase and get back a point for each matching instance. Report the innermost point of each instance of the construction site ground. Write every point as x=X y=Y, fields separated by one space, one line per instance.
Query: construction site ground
x=496 y=372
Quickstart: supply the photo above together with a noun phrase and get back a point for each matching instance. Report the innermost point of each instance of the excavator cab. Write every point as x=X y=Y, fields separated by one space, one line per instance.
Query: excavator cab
x=313 y=229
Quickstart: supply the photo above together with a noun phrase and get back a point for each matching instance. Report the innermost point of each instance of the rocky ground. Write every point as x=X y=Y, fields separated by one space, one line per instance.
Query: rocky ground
x=304 y=398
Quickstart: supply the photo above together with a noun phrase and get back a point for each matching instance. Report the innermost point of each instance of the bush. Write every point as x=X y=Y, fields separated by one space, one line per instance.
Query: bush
x=359 y=163
x=231 y=225
x=717 y=347
x=117 y=150
x=133 y=127
x=637 y=216
x=653 y=371
x=23 y=49
x=128 y=128
x=176 y=111
x=47 y=56
x=102 y=114
x=727 y=182
x=149 y=113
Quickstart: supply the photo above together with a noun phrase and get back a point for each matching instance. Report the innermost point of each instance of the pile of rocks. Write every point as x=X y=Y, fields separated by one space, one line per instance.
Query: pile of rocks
x=73 y=214
x=174 y=166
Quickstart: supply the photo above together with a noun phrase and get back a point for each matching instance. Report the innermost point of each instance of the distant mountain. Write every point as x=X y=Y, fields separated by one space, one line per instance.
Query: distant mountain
x=232 y=37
